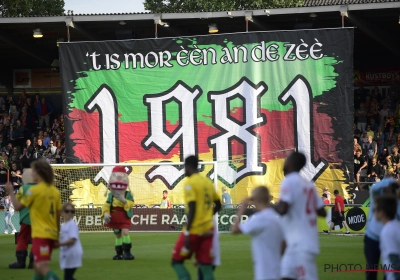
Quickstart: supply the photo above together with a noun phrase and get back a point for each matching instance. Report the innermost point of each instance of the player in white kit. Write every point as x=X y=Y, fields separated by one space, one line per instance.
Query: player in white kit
x=385 y=209
x=299 y=204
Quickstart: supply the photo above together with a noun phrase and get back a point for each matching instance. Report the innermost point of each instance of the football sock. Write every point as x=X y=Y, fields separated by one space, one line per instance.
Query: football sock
x=37 y=277
x=181 y=271
x=118 y=241
x=51 y=276
x=126 y=239
x=207 y=271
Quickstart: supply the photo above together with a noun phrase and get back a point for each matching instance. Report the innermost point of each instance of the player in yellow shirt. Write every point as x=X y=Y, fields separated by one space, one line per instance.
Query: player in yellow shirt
x=44 y=203
x=202 y=202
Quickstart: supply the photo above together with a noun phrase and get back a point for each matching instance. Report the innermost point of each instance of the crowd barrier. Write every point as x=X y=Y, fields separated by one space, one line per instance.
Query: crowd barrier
x=155 y=219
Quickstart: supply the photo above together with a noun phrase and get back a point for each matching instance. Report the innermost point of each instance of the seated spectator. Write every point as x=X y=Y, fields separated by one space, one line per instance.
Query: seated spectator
x=327 y=192
x=356 y=145
x=376 y=170
x=14 y=157
x=3 y=142
x=394 y=158
x=325 y=199
x=359 y=164
x=40 y=149
x=382 y=158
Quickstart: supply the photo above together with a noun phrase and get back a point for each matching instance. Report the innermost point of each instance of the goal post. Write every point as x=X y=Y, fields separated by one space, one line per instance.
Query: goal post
x=85 y=185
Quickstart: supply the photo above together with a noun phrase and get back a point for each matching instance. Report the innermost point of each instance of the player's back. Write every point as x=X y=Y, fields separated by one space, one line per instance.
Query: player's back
x=300 y=222
x=204 y=195
x=44 y=202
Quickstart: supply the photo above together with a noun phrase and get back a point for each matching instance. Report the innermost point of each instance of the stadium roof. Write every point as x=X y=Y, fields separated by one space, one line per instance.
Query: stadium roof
x=377 y=19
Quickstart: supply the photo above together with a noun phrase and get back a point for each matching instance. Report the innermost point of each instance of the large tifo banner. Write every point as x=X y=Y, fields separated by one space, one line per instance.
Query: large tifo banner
x=244 y=100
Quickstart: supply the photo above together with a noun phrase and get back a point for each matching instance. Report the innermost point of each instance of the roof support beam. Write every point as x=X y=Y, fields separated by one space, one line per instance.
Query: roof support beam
x=376 y=33
x=78 y=27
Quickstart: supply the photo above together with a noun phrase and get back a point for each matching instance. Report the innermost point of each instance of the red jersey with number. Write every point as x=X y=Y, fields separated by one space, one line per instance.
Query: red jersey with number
x=339 y=200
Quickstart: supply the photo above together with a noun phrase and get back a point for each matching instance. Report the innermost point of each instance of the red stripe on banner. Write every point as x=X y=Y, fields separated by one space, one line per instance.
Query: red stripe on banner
x=277 y=137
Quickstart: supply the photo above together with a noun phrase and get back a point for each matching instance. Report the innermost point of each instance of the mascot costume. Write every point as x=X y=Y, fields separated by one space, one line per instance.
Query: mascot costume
x=117 y=212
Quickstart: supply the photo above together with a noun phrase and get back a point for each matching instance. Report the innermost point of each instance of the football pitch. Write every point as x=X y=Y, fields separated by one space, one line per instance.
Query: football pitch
x=153 y=257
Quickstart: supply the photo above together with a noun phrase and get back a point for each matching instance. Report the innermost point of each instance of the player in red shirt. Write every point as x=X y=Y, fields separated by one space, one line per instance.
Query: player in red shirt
x=338 y=213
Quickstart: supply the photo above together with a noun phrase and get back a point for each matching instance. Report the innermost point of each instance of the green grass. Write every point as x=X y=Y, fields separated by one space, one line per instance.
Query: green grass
x=153 y=254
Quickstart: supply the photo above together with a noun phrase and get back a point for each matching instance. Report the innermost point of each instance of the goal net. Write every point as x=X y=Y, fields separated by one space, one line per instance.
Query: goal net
x=86 y=187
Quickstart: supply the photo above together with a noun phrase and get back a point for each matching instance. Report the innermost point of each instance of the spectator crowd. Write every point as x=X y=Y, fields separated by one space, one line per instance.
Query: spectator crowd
x=29 y=129
x=376 y=134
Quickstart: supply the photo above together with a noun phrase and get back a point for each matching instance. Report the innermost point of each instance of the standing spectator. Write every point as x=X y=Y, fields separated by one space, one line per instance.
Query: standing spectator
x=394 y=159
x=45 y=224
x=385 y=212
x=3 y=142
x=266 y=233
x=44 y=109
x=25 y=157
x=9 y=102
x=70 y=246
x=325 y=199
x=361 y=115
x=364 y=141
x=37 y=100
x=328 y=194
x=46 y=139
x=29 y=147
x=56 y=124
x=357 y=132
x=31 y=114
x=2 y=101
x=370 y=132
x=16 y=176
x=165 y=202
x=18 y=134
x=9 y=212
x=384 y=113
x=22 y=99
x=226 y=199
x=338 y=213
x=3 y=173
x=3 y=131
x=14 y=114
x=359 y=164
x=371 y=151
x=375 y=169
x=390 y=138
x=380 y=139
x=374 y=126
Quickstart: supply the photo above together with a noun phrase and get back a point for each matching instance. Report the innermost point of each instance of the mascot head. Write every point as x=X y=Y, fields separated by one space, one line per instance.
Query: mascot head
x=119 y=180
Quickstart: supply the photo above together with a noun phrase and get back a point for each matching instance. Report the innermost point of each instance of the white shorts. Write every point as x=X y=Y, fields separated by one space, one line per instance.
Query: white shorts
x=300 y=266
